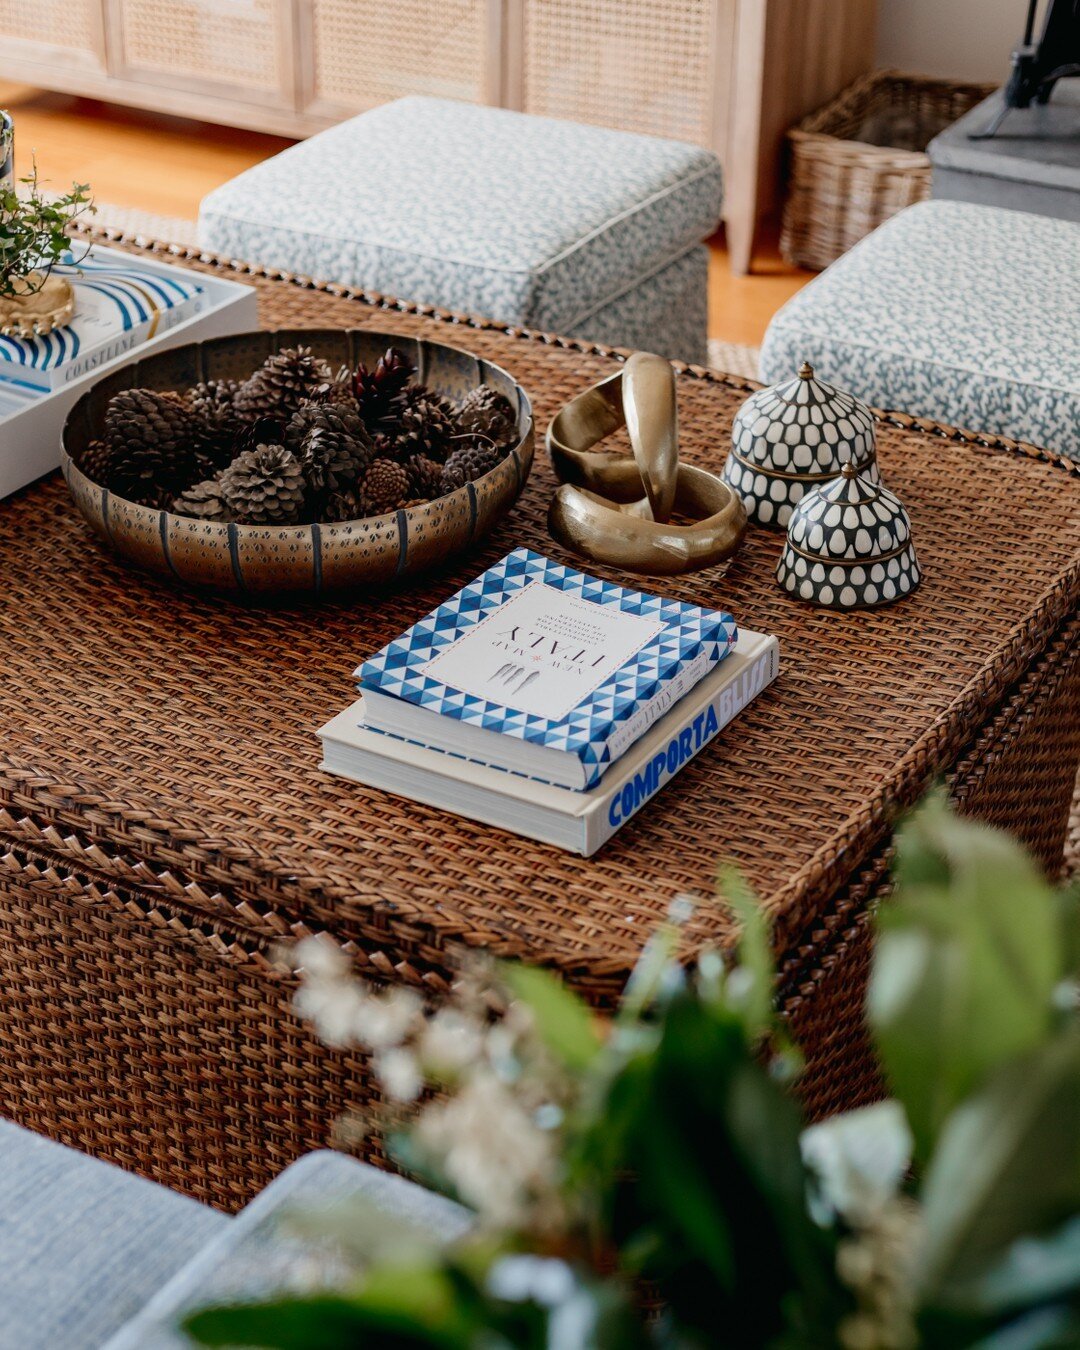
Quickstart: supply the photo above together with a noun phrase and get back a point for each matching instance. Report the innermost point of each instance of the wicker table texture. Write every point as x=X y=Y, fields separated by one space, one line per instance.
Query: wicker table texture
x=163 y=819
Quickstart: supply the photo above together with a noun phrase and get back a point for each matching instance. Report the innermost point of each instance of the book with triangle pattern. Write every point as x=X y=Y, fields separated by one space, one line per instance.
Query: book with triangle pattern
x=542 y=670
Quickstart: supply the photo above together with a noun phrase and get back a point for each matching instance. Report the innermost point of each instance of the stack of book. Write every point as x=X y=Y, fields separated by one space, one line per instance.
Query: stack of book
x=124 y=307
x=546 y=701
x=117 y=307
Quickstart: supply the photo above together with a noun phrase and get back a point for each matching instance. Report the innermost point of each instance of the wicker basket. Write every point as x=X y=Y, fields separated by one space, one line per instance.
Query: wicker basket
x=862 y=158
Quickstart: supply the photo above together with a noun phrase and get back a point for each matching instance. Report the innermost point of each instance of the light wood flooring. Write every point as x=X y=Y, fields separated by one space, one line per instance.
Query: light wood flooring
x=167 y=165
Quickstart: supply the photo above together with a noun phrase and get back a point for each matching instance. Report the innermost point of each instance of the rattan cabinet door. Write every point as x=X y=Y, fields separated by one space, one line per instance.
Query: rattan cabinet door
x=366 y=52
x=236 y=49
x=655 y=66
x=59 y=33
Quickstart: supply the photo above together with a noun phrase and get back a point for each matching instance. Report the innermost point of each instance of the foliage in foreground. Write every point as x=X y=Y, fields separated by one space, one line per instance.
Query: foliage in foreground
x=659 y=1162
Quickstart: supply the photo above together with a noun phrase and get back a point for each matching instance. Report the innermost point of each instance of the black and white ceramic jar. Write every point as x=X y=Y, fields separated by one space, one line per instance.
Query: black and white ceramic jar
x=793 y=437
x=849 y=546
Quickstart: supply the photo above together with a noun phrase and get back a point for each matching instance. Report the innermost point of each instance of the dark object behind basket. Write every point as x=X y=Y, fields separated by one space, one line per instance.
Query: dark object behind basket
x=862 y=158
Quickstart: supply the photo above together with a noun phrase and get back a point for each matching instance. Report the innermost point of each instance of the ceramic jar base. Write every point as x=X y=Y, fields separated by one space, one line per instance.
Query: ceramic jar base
x=849 y=546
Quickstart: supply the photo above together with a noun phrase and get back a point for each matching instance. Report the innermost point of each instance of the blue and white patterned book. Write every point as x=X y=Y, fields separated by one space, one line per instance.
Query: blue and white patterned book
x=542 y=670
x=116 y=308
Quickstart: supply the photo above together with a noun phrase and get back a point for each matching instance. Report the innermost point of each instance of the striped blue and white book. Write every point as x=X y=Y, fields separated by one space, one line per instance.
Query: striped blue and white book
x=540 y=670
x=117 y=306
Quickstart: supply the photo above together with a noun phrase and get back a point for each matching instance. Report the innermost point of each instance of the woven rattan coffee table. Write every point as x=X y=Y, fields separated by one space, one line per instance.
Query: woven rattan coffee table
x=163 y=820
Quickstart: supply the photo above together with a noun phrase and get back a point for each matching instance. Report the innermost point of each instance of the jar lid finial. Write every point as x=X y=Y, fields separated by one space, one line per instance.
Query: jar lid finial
x=806 y=371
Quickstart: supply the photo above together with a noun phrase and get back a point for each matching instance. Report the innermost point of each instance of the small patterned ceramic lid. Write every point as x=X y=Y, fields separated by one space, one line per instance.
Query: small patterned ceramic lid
x=804 y=426
x=792 y=437
x=849 y=546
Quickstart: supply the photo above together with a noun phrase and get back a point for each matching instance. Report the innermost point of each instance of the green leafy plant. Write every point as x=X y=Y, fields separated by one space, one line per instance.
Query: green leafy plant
x=34 y=232
x=648 y=1181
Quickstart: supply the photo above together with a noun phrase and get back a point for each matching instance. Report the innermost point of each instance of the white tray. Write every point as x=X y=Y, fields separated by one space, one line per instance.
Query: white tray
x=30 y=424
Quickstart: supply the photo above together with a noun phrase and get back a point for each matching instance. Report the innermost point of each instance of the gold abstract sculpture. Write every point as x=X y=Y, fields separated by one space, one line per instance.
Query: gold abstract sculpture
x=598 y=510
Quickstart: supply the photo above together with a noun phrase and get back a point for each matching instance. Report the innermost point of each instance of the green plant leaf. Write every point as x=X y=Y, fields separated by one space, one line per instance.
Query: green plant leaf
x=362 y=1231
x=1033 y=1271
x=563 y=1020
x=967 y=958
x=1056 y=1328
x=1068 y=904
x=33 y=231
x=708 y=1186
x=754 y=955
x=319 y=1323
x=421 y=1306
x=651 y=972
x=1007 y=1166
x=689 y=1200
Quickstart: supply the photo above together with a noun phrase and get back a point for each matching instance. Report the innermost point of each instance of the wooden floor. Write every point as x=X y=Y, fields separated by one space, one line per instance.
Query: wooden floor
x=167 y=165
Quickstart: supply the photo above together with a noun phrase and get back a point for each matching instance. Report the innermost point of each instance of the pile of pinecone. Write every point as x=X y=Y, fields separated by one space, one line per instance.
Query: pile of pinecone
x=296 y=443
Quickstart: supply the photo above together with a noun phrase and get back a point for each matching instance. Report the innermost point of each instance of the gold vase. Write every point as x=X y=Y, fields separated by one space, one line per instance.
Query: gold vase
x=40 y=306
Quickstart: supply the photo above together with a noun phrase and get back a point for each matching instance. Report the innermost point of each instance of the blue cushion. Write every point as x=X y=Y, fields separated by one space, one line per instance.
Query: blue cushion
x=963 y=313
x=83 y=1245
x=256 y=1256
x=528 y=220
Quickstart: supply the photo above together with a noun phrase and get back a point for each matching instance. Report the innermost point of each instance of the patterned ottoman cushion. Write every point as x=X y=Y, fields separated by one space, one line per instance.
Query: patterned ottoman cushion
x=528 y=220
x=967 y=314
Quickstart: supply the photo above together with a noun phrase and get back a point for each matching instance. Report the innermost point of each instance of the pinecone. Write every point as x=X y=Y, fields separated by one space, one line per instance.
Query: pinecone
x=486 y=414
x=264 y=486
x=425 y=477
x=155 y=441
x=203 y=501
x=214 y=399
x=96 y=462
x=386 y=486
x=263 y=431
x=473 y=461
x=345 y=505
x=214 y=403
x=331 y=444
x=452 y=478
x=376 y=390
x=338 y=389
x=425 y=425
x=281 y=384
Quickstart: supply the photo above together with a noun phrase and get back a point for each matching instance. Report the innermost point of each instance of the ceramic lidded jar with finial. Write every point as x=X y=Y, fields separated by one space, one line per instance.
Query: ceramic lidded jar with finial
x=849 y=546
x=791 y=438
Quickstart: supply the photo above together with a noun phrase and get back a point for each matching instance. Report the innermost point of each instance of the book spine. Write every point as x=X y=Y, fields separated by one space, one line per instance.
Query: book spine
x=638 y=723
x=629 y=794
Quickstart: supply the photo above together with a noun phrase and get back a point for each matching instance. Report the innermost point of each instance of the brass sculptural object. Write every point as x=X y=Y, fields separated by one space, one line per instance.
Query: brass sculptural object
x=598 y=510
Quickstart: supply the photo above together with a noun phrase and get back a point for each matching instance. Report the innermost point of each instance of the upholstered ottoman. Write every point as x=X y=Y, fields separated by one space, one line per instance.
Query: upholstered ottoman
x=966 y=314
x=534 y=222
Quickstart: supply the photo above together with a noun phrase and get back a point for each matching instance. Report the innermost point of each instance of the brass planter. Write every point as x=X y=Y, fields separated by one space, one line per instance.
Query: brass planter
x=272 y=560
x=44 y=304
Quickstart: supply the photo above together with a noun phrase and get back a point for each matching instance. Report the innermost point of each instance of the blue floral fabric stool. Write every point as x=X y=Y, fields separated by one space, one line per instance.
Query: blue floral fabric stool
x=533 y=222
x=963 y=313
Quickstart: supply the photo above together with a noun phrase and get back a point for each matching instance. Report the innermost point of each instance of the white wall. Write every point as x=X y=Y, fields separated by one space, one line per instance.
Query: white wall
x=968 y=39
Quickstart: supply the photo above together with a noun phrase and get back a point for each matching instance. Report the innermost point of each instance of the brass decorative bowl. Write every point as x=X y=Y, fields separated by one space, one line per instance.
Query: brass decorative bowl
x=271 y=560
